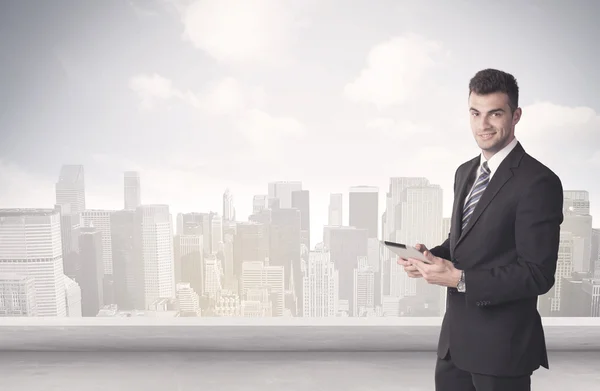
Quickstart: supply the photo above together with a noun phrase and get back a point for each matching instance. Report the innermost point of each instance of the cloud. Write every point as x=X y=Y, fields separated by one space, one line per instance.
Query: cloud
x=152 y=88
x=222 y=97
x=267 y=133
x=398 y=129
x=21 y=189
x=227 y=99
x=239 y=31
x=550 y=127
x=397 y=70
x=542 y=119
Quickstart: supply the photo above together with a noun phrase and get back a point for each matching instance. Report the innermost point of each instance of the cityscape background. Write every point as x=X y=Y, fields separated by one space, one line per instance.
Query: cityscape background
x=141 y=260
x=174 y=158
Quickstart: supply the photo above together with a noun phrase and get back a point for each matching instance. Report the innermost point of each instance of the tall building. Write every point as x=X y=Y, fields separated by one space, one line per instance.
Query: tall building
x=578 y=221
x=259 y=203
x=284 y=248
x=17 y=295
x=132 y=190
x=301 y=201
x=228 y=208
x=127 y=270
x=189 y=303
x=70 y=188
x=92 y=272
x=414 y=214
x=336 y=213
x=347 y=246
x=282 y=191
x=251 y=243
x=155 y=238
x=30 y=246
x=189 y=261
x=393 y=202
x=213 y=278
x=69 y=226
x=216 y=229
x=320 y=286
x=595 y=253
x=364 y=288
x=73 y=298
x=550 y=303
x=257 y=276
x=100 y=219
x=364 y=209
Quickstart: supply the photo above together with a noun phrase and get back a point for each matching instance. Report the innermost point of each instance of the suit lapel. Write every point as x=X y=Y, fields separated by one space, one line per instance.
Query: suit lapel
x=465 y=181
x=501 y=176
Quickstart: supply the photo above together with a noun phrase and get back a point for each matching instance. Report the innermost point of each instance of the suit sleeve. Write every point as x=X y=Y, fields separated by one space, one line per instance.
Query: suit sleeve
x=443 y=250
x=537 y=237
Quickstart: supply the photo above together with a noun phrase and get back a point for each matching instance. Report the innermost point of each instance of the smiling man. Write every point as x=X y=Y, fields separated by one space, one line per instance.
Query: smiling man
x=501 y=252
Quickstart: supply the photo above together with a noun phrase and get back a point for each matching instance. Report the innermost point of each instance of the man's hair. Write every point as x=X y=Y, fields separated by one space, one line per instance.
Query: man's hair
x=489 y=81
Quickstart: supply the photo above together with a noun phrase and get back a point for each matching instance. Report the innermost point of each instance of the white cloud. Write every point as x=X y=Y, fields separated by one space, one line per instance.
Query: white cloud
x=239 y=31
x=542 y=119
x=401 y=129
x=222 y=97
x=396 y=70
x=152 y=88
x=267 y=133
x=21 y=189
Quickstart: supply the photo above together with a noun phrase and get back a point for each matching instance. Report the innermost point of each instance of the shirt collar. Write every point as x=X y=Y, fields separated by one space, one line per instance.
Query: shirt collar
x=498 y=157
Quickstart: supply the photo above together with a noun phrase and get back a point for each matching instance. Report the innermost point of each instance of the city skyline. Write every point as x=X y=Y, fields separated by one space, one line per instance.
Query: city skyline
x=142 y=257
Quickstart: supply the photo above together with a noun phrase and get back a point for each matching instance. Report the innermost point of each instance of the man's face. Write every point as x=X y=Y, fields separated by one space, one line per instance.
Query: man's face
x=492 y=122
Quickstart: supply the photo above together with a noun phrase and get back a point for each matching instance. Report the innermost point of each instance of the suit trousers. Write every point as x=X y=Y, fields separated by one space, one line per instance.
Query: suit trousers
x=450 y=378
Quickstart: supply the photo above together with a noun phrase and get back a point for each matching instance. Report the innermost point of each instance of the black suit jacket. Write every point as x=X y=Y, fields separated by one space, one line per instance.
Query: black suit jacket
x=509 y=252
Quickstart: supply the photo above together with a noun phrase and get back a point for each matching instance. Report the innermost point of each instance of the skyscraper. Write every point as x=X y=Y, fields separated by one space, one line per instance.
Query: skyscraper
x=364 y=209
x=335 y=210
x=282 y=191
x=132 y=190
x=30 y=246
x=155 y=239
x=70 y=188
x=301 y=201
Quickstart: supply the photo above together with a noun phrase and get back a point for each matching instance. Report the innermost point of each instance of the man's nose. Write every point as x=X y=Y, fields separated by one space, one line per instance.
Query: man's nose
x=484 y=122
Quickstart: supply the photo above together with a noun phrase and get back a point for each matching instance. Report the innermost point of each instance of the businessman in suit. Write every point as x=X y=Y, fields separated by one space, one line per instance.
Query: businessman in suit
x=501 y=252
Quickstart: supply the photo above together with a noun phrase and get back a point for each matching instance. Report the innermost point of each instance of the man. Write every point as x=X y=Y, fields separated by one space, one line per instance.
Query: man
x=501 y=252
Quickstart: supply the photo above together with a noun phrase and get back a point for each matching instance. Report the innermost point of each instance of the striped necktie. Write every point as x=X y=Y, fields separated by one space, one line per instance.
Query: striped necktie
x=478 y=189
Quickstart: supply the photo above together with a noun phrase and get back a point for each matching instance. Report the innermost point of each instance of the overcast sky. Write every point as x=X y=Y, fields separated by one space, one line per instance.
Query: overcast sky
x=204 y=95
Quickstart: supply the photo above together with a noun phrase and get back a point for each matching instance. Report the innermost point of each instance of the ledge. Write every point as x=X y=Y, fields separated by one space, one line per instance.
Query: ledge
x=258 y=334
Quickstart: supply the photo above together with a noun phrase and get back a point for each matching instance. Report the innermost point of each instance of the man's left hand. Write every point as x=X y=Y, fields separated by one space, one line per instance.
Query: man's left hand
x=440 y=272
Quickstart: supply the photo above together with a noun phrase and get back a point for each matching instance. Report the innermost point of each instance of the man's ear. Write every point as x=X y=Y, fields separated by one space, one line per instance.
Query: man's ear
x=517 y=116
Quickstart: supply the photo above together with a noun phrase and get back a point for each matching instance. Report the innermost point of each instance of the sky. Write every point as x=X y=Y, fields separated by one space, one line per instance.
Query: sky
x=204 y=95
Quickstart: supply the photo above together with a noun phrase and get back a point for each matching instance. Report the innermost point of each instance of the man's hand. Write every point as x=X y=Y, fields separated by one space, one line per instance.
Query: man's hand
x=409 y=268
x=440 y=272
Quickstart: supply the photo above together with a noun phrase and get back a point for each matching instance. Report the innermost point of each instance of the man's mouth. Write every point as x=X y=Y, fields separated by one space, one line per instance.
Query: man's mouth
x=487 y=136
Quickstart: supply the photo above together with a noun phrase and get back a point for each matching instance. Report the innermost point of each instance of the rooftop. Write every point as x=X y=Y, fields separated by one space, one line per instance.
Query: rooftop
x=181 y=354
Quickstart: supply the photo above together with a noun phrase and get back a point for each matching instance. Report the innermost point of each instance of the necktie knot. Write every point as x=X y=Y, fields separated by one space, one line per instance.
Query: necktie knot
x=485 y=168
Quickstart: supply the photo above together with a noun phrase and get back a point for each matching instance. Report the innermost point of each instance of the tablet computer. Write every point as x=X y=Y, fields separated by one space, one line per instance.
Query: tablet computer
x=405 y=251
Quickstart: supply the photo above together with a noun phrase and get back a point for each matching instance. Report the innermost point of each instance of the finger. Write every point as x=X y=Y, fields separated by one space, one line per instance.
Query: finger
x=411 y=269
x=421 y=247
x=403 y=261
x=431 y=258
x=420 y=265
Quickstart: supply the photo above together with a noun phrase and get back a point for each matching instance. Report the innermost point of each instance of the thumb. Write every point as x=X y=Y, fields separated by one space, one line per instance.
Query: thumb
x=430 y=256
x=421 y=247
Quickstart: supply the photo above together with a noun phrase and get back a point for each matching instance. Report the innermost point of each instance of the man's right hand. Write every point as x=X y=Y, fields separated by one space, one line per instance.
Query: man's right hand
x=409 y=268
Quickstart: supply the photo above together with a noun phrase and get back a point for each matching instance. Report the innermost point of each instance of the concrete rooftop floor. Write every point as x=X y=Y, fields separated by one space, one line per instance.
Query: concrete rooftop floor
x=265 y=371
